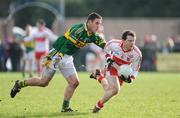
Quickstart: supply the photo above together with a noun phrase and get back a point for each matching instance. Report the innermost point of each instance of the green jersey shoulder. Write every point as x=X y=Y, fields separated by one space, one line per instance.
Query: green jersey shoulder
x=77 y=37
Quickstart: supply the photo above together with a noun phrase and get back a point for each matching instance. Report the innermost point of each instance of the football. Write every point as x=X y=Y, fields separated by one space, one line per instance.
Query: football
x=125 y=70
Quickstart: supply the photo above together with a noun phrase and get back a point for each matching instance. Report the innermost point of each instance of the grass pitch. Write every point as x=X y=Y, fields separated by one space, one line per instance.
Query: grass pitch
x=152 y=95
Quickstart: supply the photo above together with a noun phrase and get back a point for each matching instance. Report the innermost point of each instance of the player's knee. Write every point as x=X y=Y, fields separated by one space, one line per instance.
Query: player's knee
x=73 y=81
x=115 y=90
x=44 y=83
x=74 y=84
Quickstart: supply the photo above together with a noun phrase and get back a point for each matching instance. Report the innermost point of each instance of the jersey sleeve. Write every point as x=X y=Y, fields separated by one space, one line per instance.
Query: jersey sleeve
x=50 y=35
x=136 y=65
x=108 y=49
x=99 y=41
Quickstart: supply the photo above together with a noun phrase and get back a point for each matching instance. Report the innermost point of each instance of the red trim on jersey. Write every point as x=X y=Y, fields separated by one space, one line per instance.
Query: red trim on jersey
x=40 y=39
x=137 y=51
x=120 y=61
x=140 y=54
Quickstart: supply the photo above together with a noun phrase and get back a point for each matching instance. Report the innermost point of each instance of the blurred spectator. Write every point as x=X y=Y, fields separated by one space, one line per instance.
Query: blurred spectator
x=168 y=46
x=15 y=49
x=176 y=43
x=149 y=52
x=15 y=52
x=3 y=56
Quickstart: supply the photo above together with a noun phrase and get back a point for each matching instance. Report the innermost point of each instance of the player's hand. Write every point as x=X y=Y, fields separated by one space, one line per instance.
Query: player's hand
x=57 y=58
x=46 y=60
x=128 y=79
x=109 y=63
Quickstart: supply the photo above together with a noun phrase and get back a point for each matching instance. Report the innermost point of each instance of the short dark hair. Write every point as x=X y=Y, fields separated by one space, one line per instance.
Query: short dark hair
x=128 y=33
x=93 y=16
x=41 y=22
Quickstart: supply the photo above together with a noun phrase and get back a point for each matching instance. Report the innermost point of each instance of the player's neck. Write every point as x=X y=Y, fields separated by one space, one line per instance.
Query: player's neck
x=125 y=47
x=88 y=29
x=41 y=29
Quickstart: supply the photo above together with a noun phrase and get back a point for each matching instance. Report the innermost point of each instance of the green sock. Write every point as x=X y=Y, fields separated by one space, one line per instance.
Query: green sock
x=22 y=84
x=65 y=104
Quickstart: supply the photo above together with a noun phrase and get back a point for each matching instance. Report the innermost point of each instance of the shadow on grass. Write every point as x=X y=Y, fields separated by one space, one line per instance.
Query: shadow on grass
x=49 y=115
x=59 y=114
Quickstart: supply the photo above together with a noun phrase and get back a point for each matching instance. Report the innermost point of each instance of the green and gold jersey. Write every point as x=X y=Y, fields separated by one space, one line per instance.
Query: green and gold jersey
x=75 y=38
x=29 y=46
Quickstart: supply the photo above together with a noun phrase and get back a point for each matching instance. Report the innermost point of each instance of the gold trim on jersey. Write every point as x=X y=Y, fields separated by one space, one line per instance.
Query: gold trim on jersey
x=29 y=44
x=85 y=27
x=77 y=43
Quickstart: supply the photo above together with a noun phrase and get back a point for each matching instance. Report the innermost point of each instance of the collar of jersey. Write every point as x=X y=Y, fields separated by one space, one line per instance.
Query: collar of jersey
x=85 y=27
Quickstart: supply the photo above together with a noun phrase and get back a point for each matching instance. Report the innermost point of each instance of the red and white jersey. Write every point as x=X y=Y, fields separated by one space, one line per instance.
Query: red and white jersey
x=133 y=57
x=41 y=39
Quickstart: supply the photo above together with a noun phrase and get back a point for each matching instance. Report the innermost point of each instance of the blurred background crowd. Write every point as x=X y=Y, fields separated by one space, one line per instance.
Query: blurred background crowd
x=156 y=23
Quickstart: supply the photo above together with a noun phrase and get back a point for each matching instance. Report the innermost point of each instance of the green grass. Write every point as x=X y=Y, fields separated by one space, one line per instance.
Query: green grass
x=152 y=95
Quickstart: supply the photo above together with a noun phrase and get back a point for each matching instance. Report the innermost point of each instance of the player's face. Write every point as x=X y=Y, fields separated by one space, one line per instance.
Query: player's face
x=129 y=42
x=40 y=26
x=28 y=29
x=94 y=25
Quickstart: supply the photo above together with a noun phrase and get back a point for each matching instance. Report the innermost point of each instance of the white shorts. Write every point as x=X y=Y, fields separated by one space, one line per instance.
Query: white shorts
x=65 y=65
x=29 y=55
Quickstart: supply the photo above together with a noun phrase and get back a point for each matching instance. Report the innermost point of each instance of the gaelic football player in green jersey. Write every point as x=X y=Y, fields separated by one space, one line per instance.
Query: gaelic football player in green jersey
x=60 y=58
x=28 y=56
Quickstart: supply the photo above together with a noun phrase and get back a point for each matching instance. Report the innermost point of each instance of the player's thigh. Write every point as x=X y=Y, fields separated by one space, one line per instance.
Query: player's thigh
x=47 y=74
x=113 y=82
x=69 y=72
